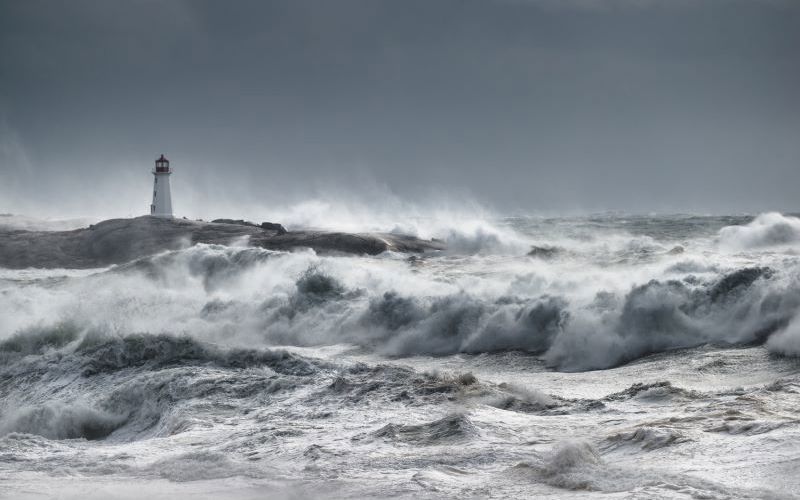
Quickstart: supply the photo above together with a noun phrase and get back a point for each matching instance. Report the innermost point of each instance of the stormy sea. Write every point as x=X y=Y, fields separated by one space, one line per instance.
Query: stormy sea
x=611 y=356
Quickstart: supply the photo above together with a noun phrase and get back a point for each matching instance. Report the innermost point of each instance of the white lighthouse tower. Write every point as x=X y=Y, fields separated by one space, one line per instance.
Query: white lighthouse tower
x=162 y=199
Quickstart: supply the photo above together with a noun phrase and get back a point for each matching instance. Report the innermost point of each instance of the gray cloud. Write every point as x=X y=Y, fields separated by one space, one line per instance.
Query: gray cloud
x=523 y=105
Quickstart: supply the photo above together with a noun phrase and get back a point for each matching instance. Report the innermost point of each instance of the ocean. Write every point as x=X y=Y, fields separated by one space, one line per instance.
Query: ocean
x=612 y=356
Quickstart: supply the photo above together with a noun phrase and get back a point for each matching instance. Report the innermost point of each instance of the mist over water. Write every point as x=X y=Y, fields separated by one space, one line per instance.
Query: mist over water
x=533 y=356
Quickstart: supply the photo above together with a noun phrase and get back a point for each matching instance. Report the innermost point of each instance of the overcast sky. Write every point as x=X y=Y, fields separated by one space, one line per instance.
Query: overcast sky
x=520 y=105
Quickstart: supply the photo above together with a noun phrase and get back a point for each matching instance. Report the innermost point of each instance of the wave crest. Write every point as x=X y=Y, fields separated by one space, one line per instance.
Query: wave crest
x=767 y=230
x=105 y=354
x=61 y=421
x=452 y=428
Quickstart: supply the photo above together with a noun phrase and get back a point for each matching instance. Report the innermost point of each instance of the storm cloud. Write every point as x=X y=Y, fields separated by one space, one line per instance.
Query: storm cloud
x=522 y=106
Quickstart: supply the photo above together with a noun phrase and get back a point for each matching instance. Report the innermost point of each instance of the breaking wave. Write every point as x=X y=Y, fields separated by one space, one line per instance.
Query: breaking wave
x=787 y=340
x=742 y=307
x=648 y=438
x=766 y=230
x=448 y=430
x=142 y=385
x=608 y=302
x=577 y=465
x=347 y=372
x=61 y=421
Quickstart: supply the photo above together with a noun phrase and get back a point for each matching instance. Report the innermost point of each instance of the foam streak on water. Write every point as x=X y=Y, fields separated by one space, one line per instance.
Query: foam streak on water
x=609 y=355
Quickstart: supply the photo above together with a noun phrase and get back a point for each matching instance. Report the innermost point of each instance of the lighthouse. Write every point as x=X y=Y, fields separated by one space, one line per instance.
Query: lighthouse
x=162 y=199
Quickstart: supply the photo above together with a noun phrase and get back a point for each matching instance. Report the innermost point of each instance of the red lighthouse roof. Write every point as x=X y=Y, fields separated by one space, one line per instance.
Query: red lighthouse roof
x=161 y=158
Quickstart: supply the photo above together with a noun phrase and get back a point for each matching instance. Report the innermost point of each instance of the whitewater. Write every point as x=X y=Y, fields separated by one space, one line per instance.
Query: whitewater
x=612 y=356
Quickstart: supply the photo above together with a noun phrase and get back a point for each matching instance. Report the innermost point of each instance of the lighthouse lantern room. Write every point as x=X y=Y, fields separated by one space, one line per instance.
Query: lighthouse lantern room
x=162 y=198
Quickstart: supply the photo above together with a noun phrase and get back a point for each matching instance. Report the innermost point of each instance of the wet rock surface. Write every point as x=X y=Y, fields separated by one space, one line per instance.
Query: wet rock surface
x=116 y=241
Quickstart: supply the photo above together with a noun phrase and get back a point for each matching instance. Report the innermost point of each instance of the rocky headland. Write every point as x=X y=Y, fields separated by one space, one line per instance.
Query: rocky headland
x=117 y=241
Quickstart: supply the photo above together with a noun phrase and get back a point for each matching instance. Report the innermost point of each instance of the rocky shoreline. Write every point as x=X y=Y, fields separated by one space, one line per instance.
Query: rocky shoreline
x=117 y=241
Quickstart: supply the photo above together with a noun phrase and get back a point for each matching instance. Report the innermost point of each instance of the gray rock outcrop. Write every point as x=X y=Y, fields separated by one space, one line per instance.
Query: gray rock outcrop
x=116 y=241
